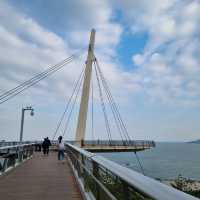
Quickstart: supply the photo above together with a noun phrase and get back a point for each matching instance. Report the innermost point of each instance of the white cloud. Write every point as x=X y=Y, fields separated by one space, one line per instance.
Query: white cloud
x=27 y=48
x=167 y=70
x=171 y=50
x=138 y=59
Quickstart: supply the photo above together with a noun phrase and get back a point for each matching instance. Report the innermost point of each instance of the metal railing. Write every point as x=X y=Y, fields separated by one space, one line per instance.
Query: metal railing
x=119 y=143
x=102 y=179
x=115 y=143
x=6 y=143
x=134 y=143
x=91 y=145
x=11 y=156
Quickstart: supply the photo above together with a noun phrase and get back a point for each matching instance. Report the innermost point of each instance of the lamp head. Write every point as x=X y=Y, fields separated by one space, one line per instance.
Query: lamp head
x=32 y=112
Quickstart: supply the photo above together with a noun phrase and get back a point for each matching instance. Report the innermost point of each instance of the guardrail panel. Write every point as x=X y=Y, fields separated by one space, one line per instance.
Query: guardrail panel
x=10 y=156
x=104 y=179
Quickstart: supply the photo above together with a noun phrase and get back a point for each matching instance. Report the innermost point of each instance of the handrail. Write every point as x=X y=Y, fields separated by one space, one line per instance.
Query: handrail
x=4 y=143
x=15 y=146
x=129 y=182
x=11 y=156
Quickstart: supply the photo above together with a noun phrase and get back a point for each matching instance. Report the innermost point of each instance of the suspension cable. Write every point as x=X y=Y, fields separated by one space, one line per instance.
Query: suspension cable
x=139 y=162
x=103 y=106
x=18 y=91
x=117 y=111
x=114 y=114
x=67 y=105
x=112 y=105
x=36 y=76
x=25 y=85
x=73 y=105
x=92 y=109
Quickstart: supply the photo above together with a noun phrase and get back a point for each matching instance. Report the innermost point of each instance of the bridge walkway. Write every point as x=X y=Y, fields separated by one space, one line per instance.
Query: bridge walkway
x=41 y=178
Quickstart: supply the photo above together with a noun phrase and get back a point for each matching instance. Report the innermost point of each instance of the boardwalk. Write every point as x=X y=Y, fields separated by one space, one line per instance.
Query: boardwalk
x=40 y=178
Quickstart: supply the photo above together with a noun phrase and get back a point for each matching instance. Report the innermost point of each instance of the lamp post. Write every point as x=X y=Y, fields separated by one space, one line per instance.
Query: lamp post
x=22 y=120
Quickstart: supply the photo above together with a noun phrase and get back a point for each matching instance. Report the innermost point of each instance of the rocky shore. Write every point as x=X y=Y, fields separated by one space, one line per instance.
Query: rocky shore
x=184 y=184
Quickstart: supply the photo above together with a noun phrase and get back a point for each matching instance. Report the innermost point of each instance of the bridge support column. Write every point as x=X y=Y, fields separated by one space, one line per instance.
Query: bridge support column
x=82 y=118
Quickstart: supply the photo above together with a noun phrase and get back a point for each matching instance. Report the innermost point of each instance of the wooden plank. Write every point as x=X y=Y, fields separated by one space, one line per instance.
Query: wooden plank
x=41 y=178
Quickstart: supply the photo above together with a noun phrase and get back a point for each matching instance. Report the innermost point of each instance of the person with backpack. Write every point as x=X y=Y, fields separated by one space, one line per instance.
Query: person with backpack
x=48 y=144
x=45 y=146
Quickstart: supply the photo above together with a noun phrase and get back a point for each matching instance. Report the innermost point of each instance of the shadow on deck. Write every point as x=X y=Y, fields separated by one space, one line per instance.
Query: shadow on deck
x=41 y=178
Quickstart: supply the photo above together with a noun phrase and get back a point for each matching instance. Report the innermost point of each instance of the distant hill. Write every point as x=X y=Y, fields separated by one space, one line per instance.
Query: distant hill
x=195 y=141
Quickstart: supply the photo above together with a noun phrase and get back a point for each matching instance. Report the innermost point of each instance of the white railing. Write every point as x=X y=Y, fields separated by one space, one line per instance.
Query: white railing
x=11 y=156
x=102 y=179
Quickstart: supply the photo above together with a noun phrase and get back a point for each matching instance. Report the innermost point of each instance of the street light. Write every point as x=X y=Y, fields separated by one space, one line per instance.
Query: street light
x=22 y=120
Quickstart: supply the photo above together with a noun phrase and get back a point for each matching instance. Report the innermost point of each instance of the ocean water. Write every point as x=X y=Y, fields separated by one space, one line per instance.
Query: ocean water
x=165 y=161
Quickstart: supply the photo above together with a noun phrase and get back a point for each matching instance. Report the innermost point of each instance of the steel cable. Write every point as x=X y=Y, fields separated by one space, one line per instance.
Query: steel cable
x=114 y=109
x=103 y=107
x=118 y=114
x=67 y=105
x=38 y=77
x=73 y=105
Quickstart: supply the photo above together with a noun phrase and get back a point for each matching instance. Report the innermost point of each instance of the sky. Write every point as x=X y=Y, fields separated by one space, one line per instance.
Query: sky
x=147 y=50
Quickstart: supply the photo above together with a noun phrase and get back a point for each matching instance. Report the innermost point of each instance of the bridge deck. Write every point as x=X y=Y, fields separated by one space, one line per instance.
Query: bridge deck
x=40 y=178
x=116 y=148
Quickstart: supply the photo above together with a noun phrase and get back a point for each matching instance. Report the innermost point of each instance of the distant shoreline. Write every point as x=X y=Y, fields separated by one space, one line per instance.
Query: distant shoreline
x=194 y=142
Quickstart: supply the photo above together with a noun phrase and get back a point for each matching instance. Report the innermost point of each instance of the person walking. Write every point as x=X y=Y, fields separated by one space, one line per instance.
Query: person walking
x=44 y=146
x=48 y=144
x=61 y=149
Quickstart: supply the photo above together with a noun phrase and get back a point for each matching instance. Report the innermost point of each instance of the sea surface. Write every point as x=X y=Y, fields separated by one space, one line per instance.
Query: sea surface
x=165 y=161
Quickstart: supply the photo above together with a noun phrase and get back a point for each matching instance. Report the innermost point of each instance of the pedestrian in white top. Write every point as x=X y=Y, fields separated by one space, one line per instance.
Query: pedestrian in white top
x=61 y=149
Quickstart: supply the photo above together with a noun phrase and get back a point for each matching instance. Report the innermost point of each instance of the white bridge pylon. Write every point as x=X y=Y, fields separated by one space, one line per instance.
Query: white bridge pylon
x=82 y=118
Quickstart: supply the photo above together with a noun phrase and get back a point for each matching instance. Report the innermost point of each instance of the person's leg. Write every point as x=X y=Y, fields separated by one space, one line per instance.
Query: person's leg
x=47 y=151
x=63 y=155
x=58 y=155
x=43 y=150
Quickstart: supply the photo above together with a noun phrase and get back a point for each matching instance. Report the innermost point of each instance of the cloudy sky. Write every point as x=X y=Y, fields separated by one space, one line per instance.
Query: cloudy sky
x=148 y=51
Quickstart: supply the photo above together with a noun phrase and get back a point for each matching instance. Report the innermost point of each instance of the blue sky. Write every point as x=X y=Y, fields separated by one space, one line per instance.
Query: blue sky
x=148 y=50
x=129 y=46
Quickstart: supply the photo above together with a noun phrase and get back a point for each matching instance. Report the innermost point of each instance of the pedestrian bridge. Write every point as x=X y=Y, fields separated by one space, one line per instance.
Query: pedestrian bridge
x=28 y=175
x=41 y=178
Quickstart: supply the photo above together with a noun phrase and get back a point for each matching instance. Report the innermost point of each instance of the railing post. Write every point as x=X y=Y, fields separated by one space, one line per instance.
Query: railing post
x=96 y=174
x=20 y=153
x=5 y=163
x=82 y=143
x=126 y=194
x=12 y=155
x=83 y=171
x=78 y=159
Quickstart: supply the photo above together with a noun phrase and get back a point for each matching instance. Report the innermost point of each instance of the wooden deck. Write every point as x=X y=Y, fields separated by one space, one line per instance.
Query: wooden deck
x=40 y=178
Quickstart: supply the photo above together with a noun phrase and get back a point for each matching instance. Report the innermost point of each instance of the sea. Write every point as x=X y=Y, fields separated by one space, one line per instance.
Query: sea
x=165 y=161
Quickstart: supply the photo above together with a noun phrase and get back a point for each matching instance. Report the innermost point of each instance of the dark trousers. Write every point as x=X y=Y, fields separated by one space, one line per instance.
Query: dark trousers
x=47 y=150
x=44 y=150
